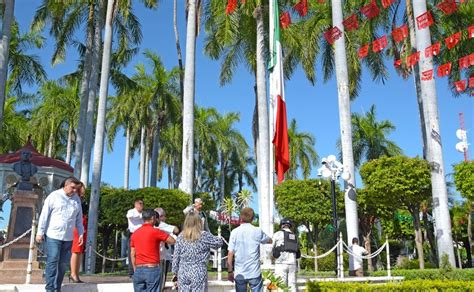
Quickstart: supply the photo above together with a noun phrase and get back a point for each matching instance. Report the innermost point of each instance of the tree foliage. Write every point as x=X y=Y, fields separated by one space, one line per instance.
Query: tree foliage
x=464 y=179
x=307 y=201
x=404 y=181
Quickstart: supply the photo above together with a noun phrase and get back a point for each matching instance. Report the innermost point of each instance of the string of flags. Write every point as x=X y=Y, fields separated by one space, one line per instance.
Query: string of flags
x=399 y=34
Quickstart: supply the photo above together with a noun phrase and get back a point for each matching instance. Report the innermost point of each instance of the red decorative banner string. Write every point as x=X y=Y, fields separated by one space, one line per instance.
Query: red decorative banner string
x=379 y=44
x=447 y=6
x=444 y=70
x=427 y=75
x=351 y=23
x=301 y=7
x=370 y=10
x=453 y=40
x=285 y=20
x=424 y=20
x=332 y=34
x=460 y=85
x=432 y=50
x=231 y=6
x=363 y=51
x=400 y=33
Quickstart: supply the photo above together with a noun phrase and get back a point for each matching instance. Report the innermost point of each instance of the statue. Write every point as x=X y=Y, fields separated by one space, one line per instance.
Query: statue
x=26 y=170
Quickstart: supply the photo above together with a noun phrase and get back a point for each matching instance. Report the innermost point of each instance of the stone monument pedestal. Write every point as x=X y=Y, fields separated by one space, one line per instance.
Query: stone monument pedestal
x=15 y=257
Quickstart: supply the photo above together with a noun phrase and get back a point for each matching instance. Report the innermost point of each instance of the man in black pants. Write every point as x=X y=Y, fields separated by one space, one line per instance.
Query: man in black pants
x=135 y=221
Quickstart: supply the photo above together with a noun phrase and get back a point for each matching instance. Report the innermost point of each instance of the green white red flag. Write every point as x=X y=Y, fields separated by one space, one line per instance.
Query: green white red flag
x=277 y=96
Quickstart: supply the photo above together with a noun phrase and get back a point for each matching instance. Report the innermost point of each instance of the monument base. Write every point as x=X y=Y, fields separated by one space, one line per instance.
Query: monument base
x=14 y=272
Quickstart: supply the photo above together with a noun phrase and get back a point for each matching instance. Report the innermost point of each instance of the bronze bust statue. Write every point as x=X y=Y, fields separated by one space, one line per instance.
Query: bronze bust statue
x=26 y=170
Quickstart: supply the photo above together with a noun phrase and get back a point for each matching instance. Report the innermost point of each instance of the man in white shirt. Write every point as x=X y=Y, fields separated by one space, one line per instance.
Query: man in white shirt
x=166 y=254
x=356 y=264
x=61 y=213
x=135 y=221
x=286 y=251
x=197 y=207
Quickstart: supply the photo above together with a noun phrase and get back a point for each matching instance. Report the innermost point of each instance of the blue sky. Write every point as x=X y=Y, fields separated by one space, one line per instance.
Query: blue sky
x=315 y=108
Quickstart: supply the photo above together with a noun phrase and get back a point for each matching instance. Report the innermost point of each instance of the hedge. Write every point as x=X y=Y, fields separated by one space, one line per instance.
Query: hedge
x=431 y=274
x=417 y=285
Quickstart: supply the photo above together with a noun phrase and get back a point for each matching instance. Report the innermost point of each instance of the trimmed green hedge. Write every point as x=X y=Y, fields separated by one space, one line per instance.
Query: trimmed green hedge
x=431 y=274
x=418 y=285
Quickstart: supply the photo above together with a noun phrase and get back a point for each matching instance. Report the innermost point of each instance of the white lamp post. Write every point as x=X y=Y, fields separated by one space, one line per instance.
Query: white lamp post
x=333 y=169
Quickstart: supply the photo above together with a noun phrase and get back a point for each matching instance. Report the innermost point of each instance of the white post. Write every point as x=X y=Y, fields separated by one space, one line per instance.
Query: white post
x=29 y=268
x=389 y=272
x=219 y=258
x=459 y=255
x=341 y=257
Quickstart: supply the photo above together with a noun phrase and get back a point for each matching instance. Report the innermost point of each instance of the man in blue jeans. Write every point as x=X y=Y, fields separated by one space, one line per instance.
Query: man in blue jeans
x=244 y=246
x=145 y=253
x=61 y=212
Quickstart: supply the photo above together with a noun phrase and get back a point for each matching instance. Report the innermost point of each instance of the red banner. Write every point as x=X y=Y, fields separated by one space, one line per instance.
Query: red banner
x=427 y=75
x=370 y=10
x=424 y=20
x=400 y=33
x=363 y=51
x=413 y=59
x=397 y=63
x=351 y=23
x=231 y=6
x=460 y=85
x=332 y=34
x=432 y=50
x=470 y=32
x=301 y=7
x=453 y=40
x=471 y=82
x=379 y=44
x=466 y=62
x=444 y=70
x=447 y=6
x=285 y=20
x=387 y=3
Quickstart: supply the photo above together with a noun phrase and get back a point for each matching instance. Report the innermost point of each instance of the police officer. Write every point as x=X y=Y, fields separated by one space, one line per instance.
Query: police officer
x=286 y=251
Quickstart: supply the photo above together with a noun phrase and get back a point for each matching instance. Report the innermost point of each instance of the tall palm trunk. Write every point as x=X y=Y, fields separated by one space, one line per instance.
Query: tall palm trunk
x=434 y=149
x=416 y=74
x=222 y=178
x=51 y=139
x=142 y=157
x=69 y=144
x=154 y=155
x=469 y=232
x=4 y=51
x=93 y=87
x=263 y=157
x=418 y=237
x=187 y=169
x=352 y=221
x=99 y=140
x=147 y=165
x=126 y=175
x=84 y=94
x=178 y=49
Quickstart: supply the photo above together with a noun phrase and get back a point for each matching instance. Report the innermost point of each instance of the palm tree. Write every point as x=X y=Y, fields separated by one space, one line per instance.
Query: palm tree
x=340 y=61
x=369 y=137
x=7 y=21
x=15 y=127
x=434 y=149
x=99 y=138
x=302 y=152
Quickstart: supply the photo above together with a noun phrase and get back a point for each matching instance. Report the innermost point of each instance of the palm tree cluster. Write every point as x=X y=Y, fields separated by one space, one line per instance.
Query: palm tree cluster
x=199 y=149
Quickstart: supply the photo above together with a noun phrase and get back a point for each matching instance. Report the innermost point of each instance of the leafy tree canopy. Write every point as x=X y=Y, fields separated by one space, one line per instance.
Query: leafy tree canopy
x=464 y=179
x=307 y=201
x=403 y=181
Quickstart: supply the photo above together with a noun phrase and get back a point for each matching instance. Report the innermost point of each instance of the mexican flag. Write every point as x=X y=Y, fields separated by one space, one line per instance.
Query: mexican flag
x=277 y=96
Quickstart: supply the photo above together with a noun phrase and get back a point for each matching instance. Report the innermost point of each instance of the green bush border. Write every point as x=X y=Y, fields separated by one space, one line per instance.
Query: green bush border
x=416 y=285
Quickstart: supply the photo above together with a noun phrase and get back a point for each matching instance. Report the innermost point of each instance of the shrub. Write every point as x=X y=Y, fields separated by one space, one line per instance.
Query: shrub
x=431 y=274
x=325 y=264
x=417 y=285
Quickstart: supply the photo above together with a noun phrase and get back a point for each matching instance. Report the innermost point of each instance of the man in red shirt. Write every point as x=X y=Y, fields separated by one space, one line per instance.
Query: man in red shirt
x=145 y=253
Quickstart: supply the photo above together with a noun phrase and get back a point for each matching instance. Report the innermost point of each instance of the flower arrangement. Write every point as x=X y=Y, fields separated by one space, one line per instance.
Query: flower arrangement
x=271 y=282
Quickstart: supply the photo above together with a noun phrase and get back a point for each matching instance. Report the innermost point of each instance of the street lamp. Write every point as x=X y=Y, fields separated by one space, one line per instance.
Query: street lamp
x=333 y=169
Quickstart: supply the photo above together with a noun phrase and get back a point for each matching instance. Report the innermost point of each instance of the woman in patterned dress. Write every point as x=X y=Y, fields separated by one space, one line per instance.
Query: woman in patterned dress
x=191 y=254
